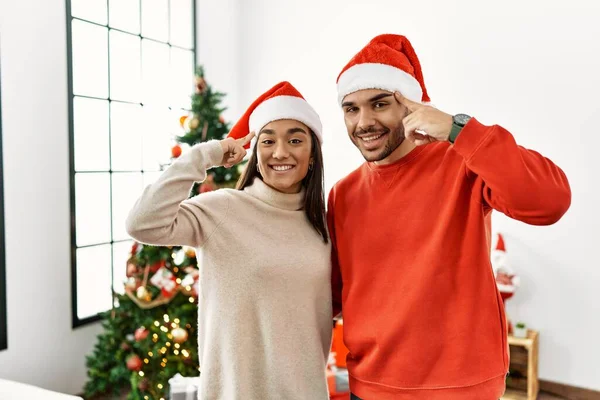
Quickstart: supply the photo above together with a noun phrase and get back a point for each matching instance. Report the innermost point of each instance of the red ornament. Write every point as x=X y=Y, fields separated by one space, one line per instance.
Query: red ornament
x=131 y=269
x=176 y=151
x=156 y=266
x=144 y=385
x=182 y=120
x=141 y=333
x=134 y=363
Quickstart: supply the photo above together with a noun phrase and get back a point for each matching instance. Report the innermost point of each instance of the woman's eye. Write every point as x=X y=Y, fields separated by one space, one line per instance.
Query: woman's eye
x=350 y=109
x=379 y=105
x=295 y=141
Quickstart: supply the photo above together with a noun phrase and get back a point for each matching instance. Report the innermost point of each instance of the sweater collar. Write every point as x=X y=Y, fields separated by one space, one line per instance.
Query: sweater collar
x=284 y=201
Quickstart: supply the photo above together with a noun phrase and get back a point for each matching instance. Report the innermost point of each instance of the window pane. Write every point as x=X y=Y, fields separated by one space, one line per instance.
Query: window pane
x=155 y=23
x=157 y=139
x=182 y=73
x=126 y=188
x=92 y=199
x=126 y=136
x=155 y=72
x=93 y=280
x=125 y=15
x=90 y=59
x=92 y=10
x=90 y=120
x=121 y=252
x=125 y=74
x=182 y=22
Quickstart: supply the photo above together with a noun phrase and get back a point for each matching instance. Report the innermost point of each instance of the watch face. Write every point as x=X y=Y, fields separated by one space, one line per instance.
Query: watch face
x=461 y=119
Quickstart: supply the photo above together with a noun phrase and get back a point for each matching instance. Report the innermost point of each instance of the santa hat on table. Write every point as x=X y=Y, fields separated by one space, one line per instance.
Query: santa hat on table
x=282 y=101
x=388 y=62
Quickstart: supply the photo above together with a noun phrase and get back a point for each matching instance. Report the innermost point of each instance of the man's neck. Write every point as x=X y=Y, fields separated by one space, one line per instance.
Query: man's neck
x=405 y=147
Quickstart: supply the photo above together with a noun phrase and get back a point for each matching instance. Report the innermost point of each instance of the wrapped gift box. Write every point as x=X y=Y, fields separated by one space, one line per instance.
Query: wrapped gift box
x=182 y=388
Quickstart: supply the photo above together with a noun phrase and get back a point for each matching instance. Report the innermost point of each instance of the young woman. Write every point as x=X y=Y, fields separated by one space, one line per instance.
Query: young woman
x=265 y=296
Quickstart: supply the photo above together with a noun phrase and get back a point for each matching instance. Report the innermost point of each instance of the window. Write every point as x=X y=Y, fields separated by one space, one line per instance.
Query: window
x=131 y=69
x=3 y=321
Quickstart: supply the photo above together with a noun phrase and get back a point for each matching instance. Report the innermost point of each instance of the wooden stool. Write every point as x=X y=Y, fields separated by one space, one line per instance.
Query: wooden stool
x=522 y=381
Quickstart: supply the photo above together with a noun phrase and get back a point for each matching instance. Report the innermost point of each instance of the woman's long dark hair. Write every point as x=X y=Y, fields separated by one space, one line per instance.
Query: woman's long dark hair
x=314 y=201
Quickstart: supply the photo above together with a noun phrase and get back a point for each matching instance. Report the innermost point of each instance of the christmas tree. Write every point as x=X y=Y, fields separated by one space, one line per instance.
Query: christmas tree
x=151 y=334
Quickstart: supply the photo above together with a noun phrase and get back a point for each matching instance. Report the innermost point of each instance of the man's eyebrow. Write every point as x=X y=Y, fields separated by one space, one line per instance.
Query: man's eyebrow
x=379 y=97
x=371 y=100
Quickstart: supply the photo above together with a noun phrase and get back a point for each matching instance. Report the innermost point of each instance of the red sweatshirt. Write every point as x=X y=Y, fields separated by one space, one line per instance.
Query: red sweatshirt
x=411 y=268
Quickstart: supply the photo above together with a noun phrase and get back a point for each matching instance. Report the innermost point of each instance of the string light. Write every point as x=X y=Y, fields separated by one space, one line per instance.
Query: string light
x=168 y=344
x=164 y=329
x=191 y=299
x=188 y=288
x=160 y=386
x=151 y=354
x=176 y=352
x=156 y=323
x=185 y=353
x=166 y=318
x=173 y=325
x=178 y=281
x=146 y=360
x=176 y=270
x=176 y=320
x=141 y=373
x=177 y=345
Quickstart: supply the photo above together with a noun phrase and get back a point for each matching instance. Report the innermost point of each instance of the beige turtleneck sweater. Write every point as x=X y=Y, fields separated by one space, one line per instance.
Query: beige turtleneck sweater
x=264 y=318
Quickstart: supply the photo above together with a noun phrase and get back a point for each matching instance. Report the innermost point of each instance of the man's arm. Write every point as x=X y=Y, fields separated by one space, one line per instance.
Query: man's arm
x=518 y=182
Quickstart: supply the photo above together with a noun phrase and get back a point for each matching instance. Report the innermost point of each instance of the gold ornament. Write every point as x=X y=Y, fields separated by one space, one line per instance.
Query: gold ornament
x=180 y=335
x=194 y=123
x=143 y=294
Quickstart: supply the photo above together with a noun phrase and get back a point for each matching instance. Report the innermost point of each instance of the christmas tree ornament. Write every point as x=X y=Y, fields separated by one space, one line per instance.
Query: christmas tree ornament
x=180 y=335
x=200 y=85
x=182 y=120
x=141 y=333
x=132 y=283
x=134 y=363
x=194 y=123
x=144 y=385
x=176 y=151
x=131 y=269
x=143 y=294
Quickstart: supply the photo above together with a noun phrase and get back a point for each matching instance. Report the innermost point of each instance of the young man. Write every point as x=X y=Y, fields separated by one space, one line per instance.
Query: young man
x=422 y=316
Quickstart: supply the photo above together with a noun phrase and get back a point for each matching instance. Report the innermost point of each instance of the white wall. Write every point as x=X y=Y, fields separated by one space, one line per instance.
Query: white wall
x=42 y=347
x=529 y=66
x=218 y=49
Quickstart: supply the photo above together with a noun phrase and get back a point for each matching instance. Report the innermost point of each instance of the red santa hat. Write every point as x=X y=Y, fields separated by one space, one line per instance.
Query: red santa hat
x=388 y=62
x=282 y=101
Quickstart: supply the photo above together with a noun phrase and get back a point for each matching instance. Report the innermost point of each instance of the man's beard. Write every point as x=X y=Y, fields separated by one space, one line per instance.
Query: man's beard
x=395 y=137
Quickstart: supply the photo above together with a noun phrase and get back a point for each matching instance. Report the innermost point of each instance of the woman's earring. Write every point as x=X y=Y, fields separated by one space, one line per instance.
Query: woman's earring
x=310 y=165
